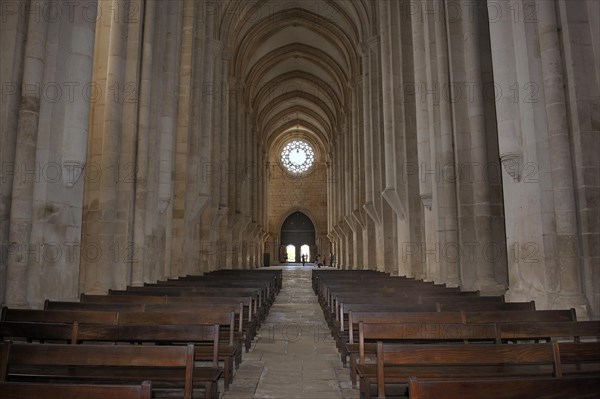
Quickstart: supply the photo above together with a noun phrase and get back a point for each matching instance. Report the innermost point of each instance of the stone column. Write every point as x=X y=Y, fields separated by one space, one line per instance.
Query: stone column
x=485 y=278
x=565 y=212
x=143 y=145
x=392 y=133
x=13 y=34
x=186 y=90
x=168 y=127
x=449 y=210
x=75 y=137
x=225 y=236
x=197 y=183
x=25 y=159
x=421 y=71
x=579 y=26
x=505 y=76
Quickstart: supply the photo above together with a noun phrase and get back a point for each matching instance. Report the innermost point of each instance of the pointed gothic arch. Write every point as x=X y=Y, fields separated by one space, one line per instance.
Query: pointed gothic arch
x=298 y=229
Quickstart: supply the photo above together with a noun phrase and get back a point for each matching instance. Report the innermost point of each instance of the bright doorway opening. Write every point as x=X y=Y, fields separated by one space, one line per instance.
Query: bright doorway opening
x=290 y=252
x=305 y=251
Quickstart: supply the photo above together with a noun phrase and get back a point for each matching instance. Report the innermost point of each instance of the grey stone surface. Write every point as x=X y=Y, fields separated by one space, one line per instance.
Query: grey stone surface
x=293 y=355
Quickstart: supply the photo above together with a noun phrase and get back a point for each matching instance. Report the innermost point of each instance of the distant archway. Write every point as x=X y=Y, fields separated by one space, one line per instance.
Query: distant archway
x=298 y=230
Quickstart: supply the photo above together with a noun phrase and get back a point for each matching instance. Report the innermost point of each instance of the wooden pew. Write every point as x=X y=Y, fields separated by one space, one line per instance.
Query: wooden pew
x=59 y=316
x=110 y=307
x=505 y=388
x=549 y=330
x=23 y=390
x=174 y=295
x=205 y=338
x=267 y=286
x=41 y=332
x=227 y=352
x=272 y=275
x=448 y=328
x=396 y=363
x=451 y=302
x=341 y=333
x=247 y=312
x=168 y=367
x=392 y=327
x=350 y=348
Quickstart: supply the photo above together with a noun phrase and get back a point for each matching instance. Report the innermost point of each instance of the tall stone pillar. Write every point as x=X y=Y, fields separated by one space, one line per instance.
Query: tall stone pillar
x=535 y=268
x=188 y=87
x=143 y=145
x=448 y=203
x=579 y=23
x=505 y=75
x=425 y=166
x=13 y=39
x=368 y=235
x=565 y=212
x=25 y=157
x=485 y=280
x=394 y=193
x=168 y=129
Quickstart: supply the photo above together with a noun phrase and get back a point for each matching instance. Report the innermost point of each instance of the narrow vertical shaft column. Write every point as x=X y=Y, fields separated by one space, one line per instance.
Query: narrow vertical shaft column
x=391 y=132
x=168 y=127
x=369 y=233
x=422 y=111
x=450 y=267
x=185 y=90
x=25 y=159
x=367 y=135
x=421 y=81
x=144 y=120
x=225 y=238
x=560 y=159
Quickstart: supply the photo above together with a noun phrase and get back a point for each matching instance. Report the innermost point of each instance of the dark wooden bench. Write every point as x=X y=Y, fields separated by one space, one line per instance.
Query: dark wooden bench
x=340 y=330
x=267 y=287
x=391 y=327
x=59 y=316
x=419 y=331
x=332 y=313
x=85 y=306
x=396 y=363
x=40 y=332
x=549 y=330
x=205 y=338
x=505 y=388
x=228 y=351
x=349 y=344
x=247 y=312
x=24 y=390
x=170 y=368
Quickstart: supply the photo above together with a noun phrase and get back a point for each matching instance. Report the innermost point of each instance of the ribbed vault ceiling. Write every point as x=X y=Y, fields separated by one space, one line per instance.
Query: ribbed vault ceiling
x=296 y=62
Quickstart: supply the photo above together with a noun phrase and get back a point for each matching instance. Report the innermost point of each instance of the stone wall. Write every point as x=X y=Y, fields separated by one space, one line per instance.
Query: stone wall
x=306 y=193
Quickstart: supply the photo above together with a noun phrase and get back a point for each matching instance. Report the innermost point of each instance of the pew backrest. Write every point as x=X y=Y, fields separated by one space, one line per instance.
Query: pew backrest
x=22 y=390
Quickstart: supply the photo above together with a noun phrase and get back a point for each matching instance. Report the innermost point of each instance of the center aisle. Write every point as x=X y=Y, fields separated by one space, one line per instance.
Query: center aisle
x=294 y=355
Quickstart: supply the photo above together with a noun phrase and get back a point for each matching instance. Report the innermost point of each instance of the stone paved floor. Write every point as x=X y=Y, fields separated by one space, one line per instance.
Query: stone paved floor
x=294 y=356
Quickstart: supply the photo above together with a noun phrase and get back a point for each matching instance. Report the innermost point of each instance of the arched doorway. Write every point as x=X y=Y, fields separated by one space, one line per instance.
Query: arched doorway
x=298 y=230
